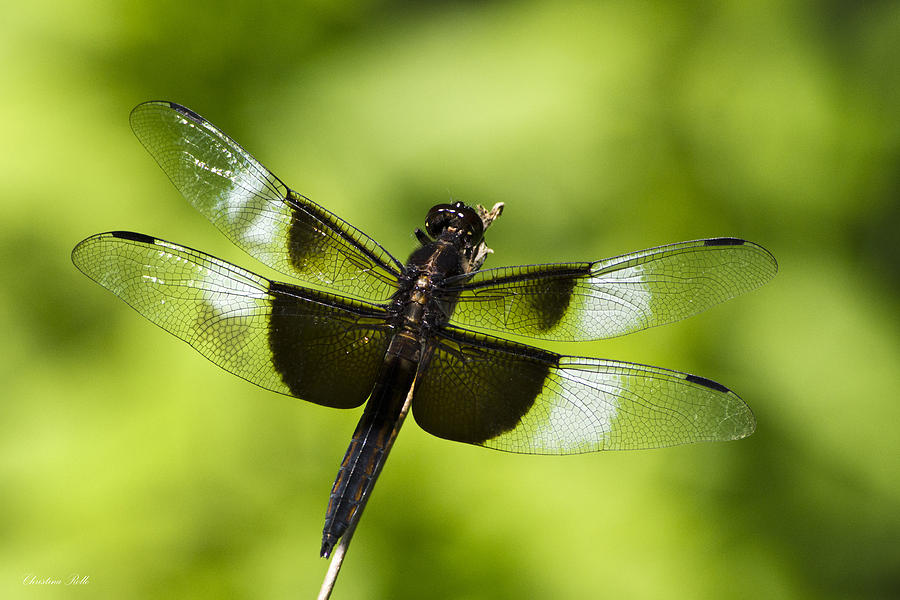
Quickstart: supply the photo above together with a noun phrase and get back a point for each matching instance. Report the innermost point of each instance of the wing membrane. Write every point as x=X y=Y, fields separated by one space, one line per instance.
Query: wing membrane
x=317 y=346
x=499 y=394
x=611 y=297
x=257 y=211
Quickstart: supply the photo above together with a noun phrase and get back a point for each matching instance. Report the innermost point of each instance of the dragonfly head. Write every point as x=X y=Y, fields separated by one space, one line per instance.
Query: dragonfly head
x=456 y=219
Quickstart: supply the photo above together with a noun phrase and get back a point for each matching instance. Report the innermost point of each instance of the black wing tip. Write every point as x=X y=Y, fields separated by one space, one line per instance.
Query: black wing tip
x=724 y=241
x=186 y=112
x=179 y=108
x=732 y=241
x=707 y=383
x=134 y=236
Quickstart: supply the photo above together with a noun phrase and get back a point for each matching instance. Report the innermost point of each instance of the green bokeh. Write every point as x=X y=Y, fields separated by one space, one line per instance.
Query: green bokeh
x=609 y=127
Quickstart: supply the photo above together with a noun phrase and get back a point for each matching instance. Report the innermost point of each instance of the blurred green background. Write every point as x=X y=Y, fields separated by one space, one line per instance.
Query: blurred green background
x=610 y=127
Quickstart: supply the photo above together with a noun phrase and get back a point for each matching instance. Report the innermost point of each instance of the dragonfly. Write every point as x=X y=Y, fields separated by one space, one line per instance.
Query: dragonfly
x=369 y=329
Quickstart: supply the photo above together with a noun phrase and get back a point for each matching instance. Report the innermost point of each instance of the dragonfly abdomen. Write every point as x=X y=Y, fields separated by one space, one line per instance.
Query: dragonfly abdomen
x=367 y=450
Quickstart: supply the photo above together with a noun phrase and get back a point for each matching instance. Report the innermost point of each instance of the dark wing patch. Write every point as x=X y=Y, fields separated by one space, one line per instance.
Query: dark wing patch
x=320 y=347
x=323 y=351
x=612 y=297
x=257 y=211
x=471 y=388
x=495 y=393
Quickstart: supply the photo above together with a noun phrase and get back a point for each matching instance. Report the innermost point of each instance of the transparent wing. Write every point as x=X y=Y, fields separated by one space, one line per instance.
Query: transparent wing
x=611 y=297
x=313 y=345
x=491 y=392
x=257 y=211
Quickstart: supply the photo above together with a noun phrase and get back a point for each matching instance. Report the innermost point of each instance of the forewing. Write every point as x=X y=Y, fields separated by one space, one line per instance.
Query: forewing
x=498 y=394
x=316 y=346
x=612 y=297
x=257 y=211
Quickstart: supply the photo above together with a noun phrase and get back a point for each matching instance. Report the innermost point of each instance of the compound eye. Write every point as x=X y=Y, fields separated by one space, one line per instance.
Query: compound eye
x=438 y=219
x=473 y=226
x=458 y=216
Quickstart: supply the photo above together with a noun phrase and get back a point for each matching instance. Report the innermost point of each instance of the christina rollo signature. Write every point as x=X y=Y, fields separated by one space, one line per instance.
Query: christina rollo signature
x=74 y=579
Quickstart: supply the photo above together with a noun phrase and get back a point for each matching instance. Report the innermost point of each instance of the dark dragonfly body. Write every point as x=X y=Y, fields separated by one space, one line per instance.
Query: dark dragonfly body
x=383 y=331
x=415 y=310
